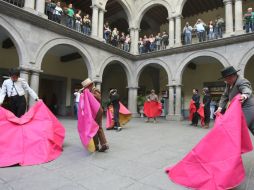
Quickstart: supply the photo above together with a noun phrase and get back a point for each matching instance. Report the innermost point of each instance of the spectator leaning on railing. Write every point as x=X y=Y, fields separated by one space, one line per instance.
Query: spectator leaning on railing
x=249 y=20
x=57 y=13
x=187 y=32
x=49 y=9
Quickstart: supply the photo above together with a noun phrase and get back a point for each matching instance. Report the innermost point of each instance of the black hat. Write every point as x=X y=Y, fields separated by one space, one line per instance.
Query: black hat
x=228 y=71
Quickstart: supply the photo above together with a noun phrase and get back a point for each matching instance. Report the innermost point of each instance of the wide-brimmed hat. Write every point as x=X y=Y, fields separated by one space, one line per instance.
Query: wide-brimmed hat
x=112 y=91
x=86 y=82
x=228 y=71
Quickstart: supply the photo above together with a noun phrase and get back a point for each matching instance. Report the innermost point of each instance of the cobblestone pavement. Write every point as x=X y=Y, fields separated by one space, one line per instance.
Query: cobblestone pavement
x=136 y=160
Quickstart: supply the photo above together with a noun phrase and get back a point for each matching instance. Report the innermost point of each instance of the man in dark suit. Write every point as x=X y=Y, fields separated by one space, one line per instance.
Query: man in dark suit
x=235 y=84
x=196 y=99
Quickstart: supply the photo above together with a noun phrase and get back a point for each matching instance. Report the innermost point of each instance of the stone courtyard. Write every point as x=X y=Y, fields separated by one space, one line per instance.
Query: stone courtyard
x=136 y=160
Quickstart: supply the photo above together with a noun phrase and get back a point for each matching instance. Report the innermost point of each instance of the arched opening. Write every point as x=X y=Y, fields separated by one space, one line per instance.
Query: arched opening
x=248 y=71
x=154 y=21
x=8 y=53
x=114 y=76
x=116 y=16
x=154 y=76
x=63 y=71
x=197 y=74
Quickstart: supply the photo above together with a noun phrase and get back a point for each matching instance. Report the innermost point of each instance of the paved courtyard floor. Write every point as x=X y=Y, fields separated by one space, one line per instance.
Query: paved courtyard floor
x=136 y=160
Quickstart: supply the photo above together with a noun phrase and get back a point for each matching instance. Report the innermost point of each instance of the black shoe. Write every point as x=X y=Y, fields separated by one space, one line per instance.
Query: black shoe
x=104 y=148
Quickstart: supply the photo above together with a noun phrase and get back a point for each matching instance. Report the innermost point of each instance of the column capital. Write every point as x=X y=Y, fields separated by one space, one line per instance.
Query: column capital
x=95 y=7
x=102 y=10
x=170 y=18
x=133 y=28
x=178 y=16
x=238 y=0
x=227 y=1
x=132 y=87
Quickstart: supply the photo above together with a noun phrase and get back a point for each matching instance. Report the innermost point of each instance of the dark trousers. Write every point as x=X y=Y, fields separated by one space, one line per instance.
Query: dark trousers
x=195 y=118
x=207 y=114
x=116 y=108
x=100 y=136
x=18 y=105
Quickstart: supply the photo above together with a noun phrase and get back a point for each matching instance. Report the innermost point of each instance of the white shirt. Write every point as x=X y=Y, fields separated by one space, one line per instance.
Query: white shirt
x=77 y=94
x=20 y=87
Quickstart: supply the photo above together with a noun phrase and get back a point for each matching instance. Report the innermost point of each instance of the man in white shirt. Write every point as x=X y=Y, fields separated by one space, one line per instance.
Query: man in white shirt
x=77 y=96
x=15 y=88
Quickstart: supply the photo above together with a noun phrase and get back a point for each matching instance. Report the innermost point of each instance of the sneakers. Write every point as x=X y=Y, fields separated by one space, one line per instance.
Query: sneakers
x=103 y=148
x=117 y=128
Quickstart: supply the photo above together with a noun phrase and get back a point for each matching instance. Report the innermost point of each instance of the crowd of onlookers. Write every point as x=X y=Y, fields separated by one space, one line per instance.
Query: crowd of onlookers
x=212 y=30
x=67 y=15
x=81 y=22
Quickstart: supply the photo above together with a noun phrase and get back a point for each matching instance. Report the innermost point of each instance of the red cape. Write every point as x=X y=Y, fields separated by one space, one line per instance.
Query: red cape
x=152 y=109
x=215 y=163
x=192 y=109
x=35 y=138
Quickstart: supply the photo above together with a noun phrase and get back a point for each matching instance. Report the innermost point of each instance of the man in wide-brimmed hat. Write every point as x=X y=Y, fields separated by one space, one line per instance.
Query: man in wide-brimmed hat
x=100 y=136
x=235 y=84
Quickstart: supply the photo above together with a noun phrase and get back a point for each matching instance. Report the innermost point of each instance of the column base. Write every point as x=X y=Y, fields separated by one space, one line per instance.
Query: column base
x=135 y=115
x=239 y=32
x=41 y=15
x=28 y=9
x=174 y=117
x=226 y=35
x=178 y=45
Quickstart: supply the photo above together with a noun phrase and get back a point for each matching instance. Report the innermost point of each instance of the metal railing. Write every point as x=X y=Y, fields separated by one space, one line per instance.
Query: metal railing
x=18 y=3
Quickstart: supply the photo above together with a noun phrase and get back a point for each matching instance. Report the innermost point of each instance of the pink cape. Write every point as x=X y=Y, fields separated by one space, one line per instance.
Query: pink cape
x=122 y=111
x=152 y=109
x=215 y=163
x=35 y=138
x=87 y=111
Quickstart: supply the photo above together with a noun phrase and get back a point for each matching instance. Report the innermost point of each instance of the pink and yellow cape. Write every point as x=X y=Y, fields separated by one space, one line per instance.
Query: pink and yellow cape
x=87 y=126
x=124 y=116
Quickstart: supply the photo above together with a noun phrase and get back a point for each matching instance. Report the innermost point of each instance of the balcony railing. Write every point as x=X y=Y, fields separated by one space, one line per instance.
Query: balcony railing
x=18 y=3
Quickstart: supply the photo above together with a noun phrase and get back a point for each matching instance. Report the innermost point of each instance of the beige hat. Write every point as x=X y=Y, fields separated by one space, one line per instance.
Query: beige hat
x=86 y=82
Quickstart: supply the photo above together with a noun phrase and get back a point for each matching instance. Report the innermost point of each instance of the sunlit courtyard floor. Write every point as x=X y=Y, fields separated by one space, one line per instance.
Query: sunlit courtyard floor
x=136 y=160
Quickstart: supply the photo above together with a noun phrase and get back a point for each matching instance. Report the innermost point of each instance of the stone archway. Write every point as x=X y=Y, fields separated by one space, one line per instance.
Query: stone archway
x=65 y=64
x=17 y=39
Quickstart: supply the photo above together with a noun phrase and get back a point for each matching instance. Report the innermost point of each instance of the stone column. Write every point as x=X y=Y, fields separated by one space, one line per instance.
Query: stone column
x=24 y=73
x=132 y=101
x=101 y=23
x=178 y=31
x=34 y=84
x=29 y=5
x=95 y=21
x=134 y=34
x=228 y=17
x=40 y=8
x=171 y=109
x=238 y=17
x=178 y=103
x=171 y=32
x=98 y=85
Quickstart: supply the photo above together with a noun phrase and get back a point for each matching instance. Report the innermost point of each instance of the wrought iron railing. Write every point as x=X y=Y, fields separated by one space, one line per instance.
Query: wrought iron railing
x=18 y=3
